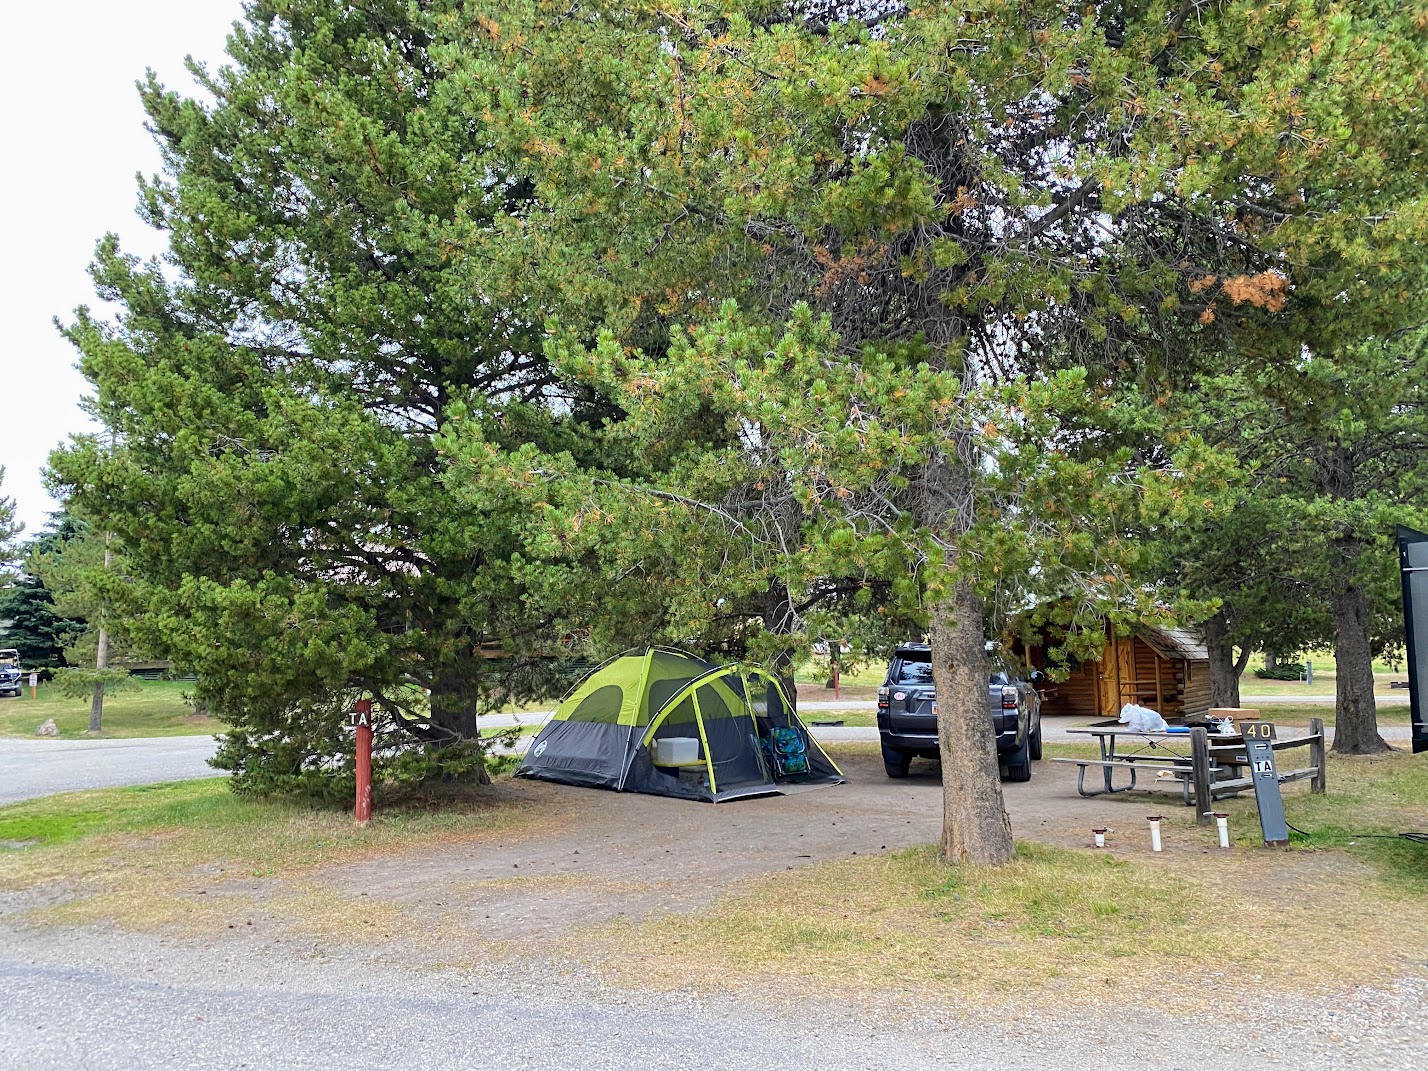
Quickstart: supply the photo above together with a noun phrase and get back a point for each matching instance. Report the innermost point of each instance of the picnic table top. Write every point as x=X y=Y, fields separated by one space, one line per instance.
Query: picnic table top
x=1217 y=740
x=1173 y=733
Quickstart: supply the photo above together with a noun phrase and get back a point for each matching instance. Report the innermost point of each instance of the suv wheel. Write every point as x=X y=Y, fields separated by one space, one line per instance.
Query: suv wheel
x=1019 y=762
x=896 y=762
x=1035 y=742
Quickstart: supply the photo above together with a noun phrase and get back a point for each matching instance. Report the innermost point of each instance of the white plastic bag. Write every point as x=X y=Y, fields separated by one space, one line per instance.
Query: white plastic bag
x=1142 y=719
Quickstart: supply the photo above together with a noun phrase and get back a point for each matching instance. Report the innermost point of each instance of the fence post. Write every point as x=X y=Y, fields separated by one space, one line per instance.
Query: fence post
x=1200 y=772
x=1317 y=754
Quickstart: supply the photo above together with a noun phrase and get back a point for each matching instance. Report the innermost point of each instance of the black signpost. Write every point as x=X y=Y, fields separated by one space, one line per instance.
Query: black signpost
x=1413 y=567
x=1259 y=752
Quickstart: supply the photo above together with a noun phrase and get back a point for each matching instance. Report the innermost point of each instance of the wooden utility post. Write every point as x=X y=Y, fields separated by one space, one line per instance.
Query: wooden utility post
x=1316 y=756
x=362 y=721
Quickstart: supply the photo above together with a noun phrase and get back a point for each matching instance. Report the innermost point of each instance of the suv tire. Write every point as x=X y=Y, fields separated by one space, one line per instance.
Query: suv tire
x=1035 y=742
x=1019 y=762
x=896 y=762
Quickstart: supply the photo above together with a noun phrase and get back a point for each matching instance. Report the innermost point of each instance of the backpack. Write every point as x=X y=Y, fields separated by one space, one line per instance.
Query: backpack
x=786 y=750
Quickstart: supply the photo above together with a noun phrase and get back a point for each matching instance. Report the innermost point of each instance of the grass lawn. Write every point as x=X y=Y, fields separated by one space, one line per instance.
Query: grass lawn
x=158 y=708
x=1323 y=685
x=1298 y=714
x=1369 y=800
x=863 y=675
x=1324 y=663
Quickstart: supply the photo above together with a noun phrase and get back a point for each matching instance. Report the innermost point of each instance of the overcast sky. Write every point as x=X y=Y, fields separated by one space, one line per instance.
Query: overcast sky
x=73 y=139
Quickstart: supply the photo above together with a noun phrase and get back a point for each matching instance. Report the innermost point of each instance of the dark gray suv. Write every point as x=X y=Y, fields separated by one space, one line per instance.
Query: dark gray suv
x=907 y=714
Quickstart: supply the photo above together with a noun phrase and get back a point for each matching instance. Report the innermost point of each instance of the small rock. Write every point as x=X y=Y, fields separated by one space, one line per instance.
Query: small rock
x=47 y=728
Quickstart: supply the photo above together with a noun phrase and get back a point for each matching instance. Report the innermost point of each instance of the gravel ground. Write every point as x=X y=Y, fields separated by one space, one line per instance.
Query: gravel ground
x=96 y=998
x=100 y=1000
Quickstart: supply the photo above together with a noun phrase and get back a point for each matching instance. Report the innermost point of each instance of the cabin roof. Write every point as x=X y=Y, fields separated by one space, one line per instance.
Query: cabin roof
x=1175 y=644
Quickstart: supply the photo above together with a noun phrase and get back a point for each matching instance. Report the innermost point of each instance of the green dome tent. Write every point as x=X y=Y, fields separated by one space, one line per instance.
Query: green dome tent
x=670 y=724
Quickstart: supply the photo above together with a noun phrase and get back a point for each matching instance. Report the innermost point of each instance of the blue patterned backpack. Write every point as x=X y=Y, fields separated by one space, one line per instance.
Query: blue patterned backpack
x=788 y=754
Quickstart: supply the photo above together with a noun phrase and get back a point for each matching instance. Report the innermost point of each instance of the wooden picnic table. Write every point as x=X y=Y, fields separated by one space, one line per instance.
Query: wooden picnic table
x=1205 y=766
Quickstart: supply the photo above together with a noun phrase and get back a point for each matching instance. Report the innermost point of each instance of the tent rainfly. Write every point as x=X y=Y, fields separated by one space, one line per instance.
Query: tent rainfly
x=670 y=724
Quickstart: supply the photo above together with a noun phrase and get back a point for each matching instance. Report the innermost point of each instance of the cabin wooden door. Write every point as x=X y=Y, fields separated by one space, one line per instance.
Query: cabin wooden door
x=1116 y=684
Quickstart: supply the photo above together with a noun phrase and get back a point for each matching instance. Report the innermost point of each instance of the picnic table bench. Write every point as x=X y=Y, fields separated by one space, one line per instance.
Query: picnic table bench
x=1203 y=766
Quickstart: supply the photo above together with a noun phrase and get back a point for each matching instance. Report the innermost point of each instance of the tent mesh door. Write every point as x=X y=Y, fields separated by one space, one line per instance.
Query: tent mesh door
x=732 y=735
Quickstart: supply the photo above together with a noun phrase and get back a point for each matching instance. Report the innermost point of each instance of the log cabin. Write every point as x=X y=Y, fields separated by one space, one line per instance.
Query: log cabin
x=1167 y=670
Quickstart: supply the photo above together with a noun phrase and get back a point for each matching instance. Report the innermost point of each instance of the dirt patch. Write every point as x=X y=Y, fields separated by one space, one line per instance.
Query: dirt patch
x=637 y=855
x=631 y=856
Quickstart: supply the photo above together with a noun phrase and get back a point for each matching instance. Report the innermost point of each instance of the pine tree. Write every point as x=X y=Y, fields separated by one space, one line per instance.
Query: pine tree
x=276 y=392
x=909 y=242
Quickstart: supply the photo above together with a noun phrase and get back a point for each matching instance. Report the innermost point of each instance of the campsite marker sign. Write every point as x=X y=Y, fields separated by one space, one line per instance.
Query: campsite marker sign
x=1259 y=751
x=361 y=719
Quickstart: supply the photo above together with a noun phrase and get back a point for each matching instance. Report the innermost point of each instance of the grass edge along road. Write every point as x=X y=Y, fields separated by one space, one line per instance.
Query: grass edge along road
x=157 y=708
x=190 y=858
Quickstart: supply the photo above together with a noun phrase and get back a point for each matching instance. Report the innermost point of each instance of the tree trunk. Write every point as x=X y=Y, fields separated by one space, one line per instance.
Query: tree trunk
x=1271 y=661
x=453 y=710
x=1355 y=713
x=101 y=658
x=1224 y=674
x=96 y=704
x=780 y=619
x=1242 y=663
x=96 y=709
x=975 y=826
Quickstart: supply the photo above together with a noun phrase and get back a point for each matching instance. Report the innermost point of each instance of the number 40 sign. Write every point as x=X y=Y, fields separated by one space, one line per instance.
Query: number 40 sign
x=1259 y=753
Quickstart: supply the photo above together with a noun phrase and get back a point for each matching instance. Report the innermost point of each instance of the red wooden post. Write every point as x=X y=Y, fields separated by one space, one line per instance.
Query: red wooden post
x=362 y=719
x=835 y=676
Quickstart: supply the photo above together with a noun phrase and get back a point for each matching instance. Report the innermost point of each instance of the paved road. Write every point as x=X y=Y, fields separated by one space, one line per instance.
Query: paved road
x=100 y=1000
x=57 y=1018
x=31 y=768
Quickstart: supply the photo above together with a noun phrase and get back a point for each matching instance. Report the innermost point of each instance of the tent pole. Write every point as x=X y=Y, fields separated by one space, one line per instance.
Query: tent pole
x=635 y=720
x=704 y=742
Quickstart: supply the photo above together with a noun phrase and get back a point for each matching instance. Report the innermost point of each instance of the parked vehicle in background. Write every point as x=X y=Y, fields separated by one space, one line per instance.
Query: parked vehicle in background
x=907 y=713
x=10 y=672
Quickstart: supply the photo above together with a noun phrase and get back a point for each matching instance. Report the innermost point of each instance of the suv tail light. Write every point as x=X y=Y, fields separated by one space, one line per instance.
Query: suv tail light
x=1009 y=698
x=883 y=698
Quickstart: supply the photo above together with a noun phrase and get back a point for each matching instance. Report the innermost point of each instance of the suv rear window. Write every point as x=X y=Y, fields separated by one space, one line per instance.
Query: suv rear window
x=916 y=668
x=913 y=669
